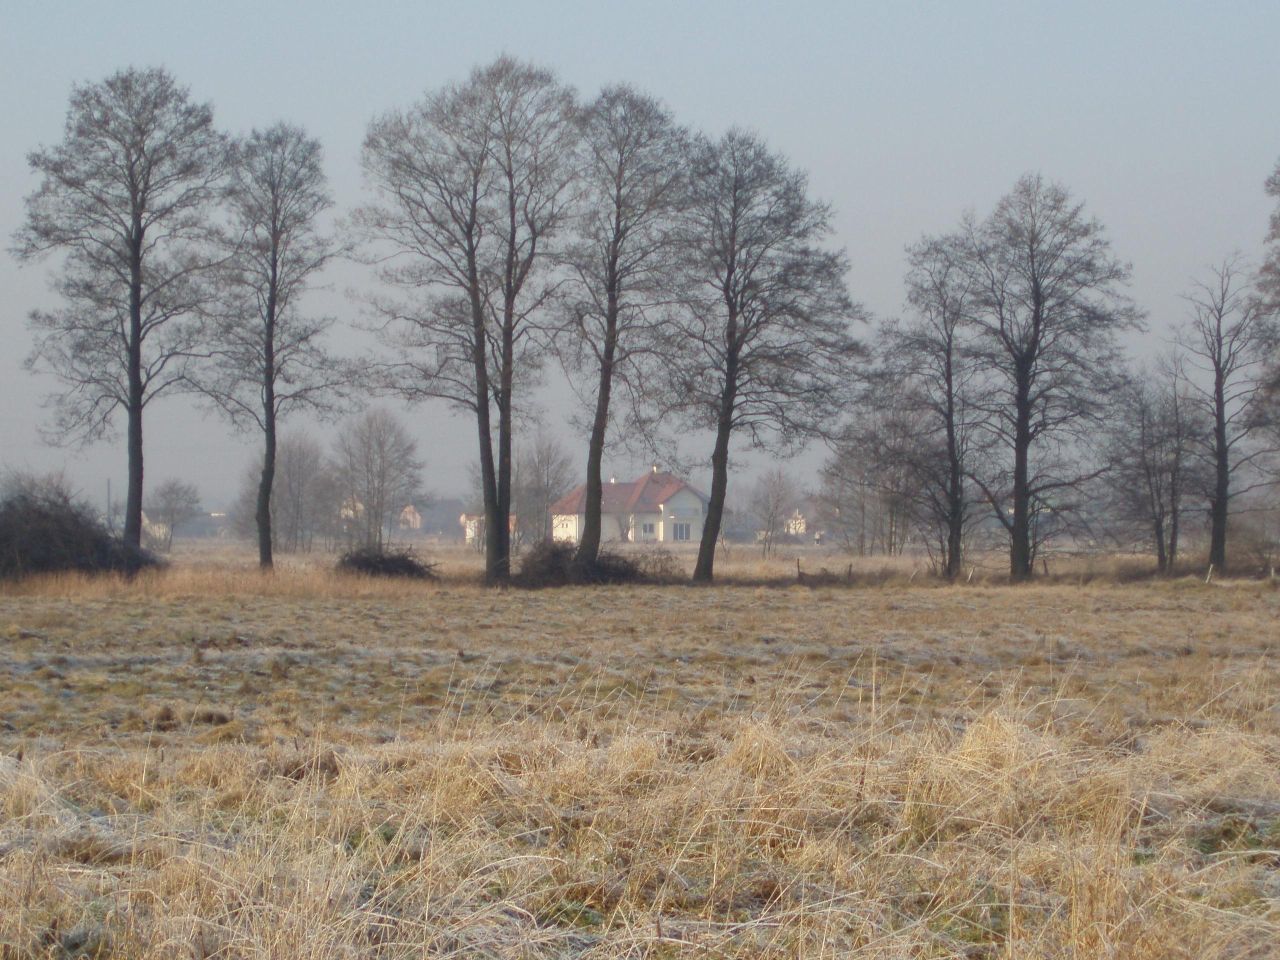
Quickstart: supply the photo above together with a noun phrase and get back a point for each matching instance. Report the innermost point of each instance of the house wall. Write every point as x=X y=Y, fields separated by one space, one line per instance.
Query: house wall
x=652 y=521
x=683 y=507
x=567 y=526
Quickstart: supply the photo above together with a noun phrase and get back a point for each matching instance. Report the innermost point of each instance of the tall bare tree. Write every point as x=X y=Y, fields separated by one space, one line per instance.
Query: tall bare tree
x=268 y=358
x=126 y=196
x=622 y=264
x=765 y=349
x=1047 y=309
x=926 y=375
x=473 y=183
x=1229 y=340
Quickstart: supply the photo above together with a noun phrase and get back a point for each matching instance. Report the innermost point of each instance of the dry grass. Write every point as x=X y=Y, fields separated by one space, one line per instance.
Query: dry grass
x=209 y=763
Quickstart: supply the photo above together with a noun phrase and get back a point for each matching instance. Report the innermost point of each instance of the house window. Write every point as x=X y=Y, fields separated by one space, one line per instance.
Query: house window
x=647 y=529
x=680 y=531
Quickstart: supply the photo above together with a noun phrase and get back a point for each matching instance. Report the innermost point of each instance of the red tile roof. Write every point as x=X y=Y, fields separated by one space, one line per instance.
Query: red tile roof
x=645 y=495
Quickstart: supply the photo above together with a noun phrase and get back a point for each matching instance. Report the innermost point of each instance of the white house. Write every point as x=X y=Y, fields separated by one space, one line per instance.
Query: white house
x=656 y=508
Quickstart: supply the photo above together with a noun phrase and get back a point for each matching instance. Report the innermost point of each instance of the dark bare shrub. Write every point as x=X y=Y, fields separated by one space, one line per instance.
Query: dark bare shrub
x=551 y=564
x=387 y=562
x=44 y=528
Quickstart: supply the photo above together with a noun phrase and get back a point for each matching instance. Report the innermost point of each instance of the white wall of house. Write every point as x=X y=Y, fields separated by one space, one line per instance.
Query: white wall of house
x=567 y=526
x=679 y=521
x=682 y=518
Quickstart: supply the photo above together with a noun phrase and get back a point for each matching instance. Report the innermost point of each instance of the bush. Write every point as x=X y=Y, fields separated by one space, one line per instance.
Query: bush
x=387 y=562
x=45 y=529
x=549 y=563
x=546 y=564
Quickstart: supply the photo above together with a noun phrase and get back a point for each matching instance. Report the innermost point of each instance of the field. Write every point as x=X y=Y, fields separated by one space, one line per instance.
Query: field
x=209 y=764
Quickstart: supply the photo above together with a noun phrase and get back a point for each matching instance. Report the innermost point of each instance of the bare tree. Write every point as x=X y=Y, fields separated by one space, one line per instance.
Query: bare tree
x=268 y=359
x=473 y=183
x=924 y=383
x=878 y=482
x=176 y=502
x=305 y=498
x=543 y=474
x=1047 y=310
x=622 y=263
x=126 y=196
x=765 y=350
x=772 y=498
x=845 y=498
x=379 y=474
x=1153 y=438
x=1229 y=340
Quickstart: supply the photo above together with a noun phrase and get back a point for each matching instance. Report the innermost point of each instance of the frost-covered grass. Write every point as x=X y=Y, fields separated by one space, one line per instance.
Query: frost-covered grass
x=207 y=763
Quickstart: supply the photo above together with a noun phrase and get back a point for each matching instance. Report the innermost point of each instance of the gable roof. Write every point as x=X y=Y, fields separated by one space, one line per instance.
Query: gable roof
x=644 y=495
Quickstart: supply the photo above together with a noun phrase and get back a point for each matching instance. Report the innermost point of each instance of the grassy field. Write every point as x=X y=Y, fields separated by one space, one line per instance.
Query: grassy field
x=206 y=763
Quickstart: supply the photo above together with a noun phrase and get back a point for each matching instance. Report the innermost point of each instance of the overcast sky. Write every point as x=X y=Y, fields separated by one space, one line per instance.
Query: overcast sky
x=1160 y=116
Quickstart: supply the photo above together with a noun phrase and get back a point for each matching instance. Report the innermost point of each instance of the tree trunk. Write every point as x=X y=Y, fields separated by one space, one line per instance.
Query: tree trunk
x=955 y=478
x=955 y=533
x=1218 y=503
x=133 y=493
x=1020 y=554
x=589 y=546
x=1162 y=556
x=265 y=484
x=498 y=568
x=267 y=481
x=703 y=569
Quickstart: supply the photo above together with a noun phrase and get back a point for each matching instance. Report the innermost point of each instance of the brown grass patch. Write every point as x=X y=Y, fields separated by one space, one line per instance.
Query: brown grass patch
x=210 y=763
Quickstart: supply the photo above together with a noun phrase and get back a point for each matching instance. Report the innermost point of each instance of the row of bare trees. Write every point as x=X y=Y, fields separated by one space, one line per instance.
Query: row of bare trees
x=514 y=223
x=685 y=275
x=351 y=493
x=186 y=255
x=682 y=281
x=1004 y=397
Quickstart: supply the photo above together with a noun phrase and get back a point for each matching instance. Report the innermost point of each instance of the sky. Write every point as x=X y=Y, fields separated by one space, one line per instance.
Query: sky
x=1159 y=116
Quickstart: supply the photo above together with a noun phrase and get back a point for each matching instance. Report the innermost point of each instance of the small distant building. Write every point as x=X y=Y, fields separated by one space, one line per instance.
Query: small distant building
x=154 y=530
x=796 y=525
x=657 y=507
x=473 y=527
x=410 y=518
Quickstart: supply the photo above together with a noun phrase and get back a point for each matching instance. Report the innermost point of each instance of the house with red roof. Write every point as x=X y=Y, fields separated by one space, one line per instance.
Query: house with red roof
x=657 y=507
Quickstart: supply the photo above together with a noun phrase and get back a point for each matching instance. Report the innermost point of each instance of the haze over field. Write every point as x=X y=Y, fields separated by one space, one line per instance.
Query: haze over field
x=904 y=115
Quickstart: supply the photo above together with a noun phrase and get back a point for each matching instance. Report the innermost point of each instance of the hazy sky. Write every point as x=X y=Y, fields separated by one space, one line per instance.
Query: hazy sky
x=1162 y=117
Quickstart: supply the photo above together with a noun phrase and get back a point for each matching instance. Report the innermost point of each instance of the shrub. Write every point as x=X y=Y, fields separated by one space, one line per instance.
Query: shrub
x=661 y=566
x=549 y=563
x=45 y=529
x=387 y=562
x=546 y=564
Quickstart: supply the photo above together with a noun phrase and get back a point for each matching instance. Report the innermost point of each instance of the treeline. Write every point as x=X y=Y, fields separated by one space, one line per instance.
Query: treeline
x=1004 y=398
x=365 y=488
x=684 y=281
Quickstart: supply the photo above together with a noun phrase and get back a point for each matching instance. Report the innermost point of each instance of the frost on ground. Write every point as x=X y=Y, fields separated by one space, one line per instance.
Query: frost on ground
x=317 y=769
